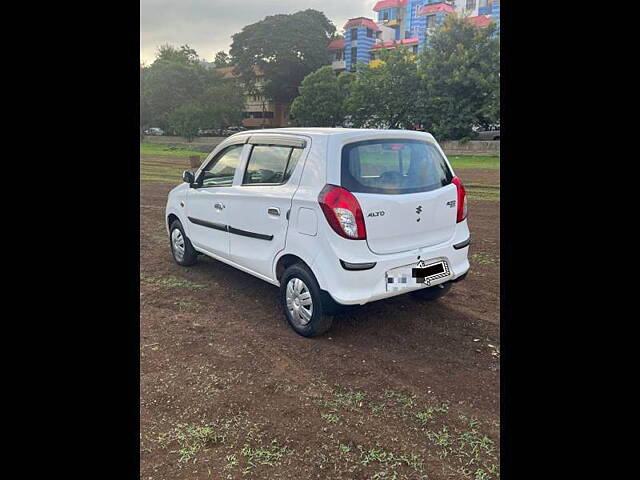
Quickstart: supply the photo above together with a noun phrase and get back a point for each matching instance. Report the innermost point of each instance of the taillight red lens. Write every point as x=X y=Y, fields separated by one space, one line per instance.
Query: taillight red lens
x=343 y=212
x=462 y=200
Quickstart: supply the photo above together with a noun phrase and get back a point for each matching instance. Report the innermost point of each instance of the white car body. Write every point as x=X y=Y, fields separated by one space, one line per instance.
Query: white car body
x=238 y=224
x=154 y=131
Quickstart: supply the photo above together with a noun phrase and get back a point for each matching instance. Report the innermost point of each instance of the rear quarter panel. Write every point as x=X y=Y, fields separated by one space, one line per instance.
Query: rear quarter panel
x=305 y=209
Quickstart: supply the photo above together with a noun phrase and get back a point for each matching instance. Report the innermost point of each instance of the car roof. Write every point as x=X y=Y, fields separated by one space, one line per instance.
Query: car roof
x=344 y=132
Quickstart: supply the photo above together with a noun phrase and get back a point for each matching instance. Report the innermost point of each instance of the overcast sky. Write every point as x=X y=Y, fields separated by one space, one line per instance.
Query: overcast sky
x=207 y=25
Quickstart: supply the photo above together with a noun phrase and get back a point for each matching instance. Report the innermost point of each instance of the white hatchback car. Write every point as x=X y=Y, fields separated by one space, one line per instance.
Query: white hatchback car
x=333 y=216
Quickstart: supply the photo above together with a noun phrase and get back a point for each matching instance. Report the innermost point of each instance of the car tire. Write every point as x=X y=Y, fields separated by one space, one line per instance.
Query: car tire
x=330 y=306
x=431 y=293
x=181 y=249
x=302 y=302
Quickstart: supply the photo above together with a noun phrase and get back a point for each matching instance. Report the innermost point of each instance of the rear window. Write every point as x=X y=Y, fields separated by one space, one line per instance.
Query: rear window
x=393 y=167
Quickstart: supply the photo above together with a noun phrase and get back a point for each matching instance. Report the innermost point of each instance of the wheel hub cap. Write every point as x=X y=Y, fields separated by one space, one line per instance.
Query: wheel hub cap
x=177 y=243
x=299 y=301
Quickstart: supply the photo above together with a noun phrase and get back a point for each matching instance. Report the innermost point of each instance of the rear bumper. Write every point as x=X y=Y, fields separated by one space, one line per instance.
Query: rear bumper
x=338 y=274
x=462 y=244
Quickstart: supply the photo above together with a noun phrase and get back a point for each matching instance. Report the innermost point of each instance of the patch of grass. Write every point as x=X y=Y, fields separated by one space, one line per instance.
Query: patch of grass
x=157 y=178
x=344 y=448
x=481 y=186
x=483 y=259
x=469 y=452
x=346 y=399
x=428 y=414
x=416 y=432
x=461 y=162
x=169 y=149
x=489 y=194
x=390 y=459
x=154 y=170
x=186 y=306
x=383 y=475
x=441 y=438
x=172 y=282
x=191 y=439
x=232 y=461
x=270 y=456
x=330 y=417
x=407 y=401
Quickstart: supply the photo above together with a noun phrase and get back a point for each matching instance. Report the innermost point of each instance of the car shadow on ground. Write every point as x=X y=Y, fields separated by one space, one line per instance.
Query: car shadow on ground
x=403 y=317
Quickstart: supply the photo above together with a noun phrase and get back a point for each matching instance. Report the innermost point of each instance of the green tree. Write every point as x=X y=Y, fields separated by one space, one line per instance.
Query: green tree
x=321 y=100
x=145 y=110
x=345 y=79
x=222 y=102
x=222 y=59
x=185 y=54
x=186 y=120
x=171 y=84
x=460 y=79
x=177 y=79
x=384 y=96
x=285 y=48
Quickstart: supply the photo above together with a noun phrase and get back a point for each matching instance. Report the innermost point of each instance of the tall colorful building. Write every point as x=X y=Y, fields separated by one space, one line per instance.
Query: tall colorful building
x=403 y=24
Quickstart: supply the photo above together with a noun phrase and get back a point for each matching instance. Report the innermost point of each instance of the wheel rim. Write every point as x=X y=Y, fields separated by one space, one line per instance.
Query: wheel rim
x=177 y=242
x=299 y=302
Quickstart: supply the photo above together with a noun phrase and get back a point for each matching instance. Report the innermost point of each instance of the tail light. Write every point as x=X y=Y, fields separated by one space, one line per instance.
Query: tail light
x=343 y=212
x=462 y=200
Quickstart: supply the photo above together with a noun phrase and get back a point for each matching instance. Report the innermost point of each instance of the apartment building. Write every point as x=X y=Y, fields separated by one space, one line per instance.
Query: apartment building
x=403 y=24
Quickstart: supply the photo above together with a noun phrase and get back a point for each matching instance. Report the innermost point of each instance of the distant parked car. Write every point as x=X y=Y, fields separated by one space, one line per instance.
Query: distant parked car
x=492 y=133
x=154 y=131
x=231 y=130
x=208 y=132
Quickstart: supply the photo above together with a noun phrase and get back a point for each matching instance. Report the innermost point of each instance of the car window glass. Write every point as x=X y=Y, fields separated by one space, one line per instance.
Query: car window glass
x=393 y=167
x=270 y=164
x=220 y=172
x=293 y=161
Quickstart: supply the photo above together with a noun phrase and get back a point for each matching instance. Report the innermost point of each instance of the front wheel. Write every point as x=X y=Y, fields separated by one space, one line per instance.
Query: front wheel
x=302 y=302
x=183 y=252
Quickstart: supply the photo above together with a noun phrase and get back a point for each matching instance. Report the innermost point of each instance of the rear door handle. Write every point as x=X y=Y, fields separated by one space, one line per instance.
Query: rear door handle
x=273 y=211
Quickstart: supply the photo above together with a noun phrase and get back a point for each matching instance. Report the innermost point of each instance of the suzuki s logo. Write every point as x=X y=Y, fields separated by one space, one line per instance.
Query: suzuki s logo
x=376 y=214
x=419 y=209
x=451 y=203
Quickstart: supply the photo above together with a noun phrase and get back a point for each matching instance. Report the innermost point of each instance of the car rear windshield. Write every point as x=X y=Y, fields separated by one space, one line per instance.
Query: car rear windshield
x=393 y=166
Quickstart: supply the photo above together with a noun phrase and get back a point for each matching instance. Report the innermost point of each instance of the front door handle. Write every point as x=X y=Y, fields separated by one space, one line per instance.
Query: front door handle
x=218 y=206
x=273 y=211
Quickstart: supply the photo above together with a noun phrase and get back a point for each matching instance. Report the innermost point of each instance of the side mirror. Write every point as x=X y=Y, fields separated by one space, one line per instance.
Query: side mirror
x=188 y=177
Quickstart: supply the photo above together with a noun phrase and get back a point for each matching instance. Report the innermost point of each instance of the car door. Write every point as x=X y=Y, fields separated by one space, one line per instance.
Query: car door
x=206 y=203
x=258 y=208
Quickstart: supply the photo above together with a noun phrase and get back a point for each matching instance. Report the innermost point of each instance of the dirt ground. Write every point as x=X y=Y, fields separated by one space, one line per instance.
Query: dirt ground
x=397 y=389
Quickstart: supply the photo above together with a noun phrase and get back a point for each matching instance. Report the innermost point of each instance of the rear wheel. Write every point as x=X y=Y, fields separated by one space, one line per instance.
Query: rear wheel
x=431 y=293
x=183 y=252
x=302 y=302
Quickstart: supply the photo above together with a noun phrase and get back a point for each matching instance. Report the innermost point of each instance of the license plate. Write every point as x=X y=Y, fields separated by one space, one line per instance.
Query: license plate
x=427 y=272
x=423 y=273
